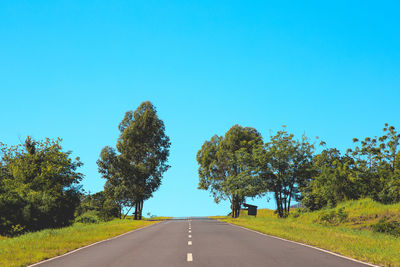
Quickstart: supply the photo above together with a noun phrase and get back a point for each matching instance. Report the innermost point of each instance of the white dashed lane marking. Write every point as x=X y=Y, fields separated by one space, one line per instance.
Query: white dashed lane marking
x=190 y=255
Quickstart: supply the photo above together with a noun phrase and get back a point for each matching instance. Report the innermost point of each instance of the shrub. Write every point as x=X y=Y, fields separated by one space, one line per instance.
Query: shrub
x=38 y=186
x=87 y=218
x=16 y=229
x=387 y=227
x=297 y=213
x=328 y=217
x=342 y=215
x=333 y=217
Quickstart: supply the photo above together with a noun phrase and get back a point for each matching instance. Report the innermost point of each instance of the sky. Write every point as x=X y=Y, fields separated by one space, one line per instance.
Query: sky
x=71 y=69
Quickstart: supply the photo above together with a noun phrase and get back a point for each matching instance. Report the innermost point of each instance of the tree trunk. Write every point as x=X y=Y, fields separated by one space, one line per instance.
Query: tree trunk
x=136 y=211
x=233 y=206
x=141 y=209
x=285 y=204
x=278 y=198
x=290 y=197
x=237 y=210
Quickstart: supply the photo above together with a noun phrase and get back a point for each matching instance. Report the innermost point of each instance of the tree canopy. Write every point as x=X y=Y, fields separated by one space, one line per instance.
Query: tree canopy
x=239 y=165
x=225 y=166
x=134 y=170
x=284 y=165
x=38 y=186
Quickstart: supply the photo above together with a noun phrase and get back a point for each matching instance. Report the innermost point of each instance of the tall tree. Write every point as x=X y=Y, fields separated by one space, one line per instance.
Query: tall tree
x=284 y=165
x=378 y=165
x=371 y=169
x=333 y=180
x=115 y=189
x=143 y=150
x=225 y=166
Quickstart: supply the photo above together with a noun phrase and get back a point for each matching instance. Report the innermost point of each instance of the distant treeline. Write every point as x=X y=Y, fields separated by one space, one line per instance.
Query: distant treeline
x=240 y=165
x=39 y=182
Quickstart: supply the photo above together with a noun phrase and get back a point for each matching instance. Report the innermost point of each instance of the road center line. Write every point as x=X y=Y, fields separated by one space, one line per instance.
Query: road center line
x=190 y=231
x=189 y=243
x=189 y=257
x=190 y=236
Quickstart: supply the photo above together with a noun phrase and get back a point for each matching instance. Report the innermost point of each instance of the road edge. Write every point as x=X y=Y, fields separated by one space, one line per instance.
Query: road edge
x=302 y=244
x=90 y=245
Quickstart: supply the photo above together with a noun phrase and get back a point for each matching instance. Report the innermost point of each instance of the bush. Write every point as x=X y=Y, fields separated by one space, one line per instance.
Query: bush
x=333 y=217
x=87 y=218
x=16 y=229
x=387 y=227
x=297 y=212
x=342 y=215
x=38 y=186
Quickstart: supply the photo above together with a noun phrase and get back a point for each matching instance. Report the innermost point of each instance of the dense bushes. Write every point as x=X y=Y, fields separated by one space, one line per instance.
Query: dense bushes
x=333 y=217
x=38 y=186
x=88 y=217
x=98 y=204
x=386 y=226
x=371 y=169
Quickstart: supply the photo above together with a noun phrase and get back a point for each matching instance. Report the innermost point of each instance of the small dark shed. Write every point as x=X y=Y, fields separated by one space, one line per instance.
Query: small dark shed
x=251 y=209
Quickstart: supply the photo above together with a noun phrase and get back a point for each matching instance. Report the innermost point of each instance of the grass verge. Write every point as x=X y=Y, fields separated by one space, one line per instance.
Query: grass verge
x=34 y=247
x=353 y=237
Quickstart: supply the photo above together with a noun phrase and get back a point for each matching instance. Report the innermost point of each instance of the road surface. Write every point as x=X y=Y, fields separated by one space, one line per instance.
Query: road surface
x=197 y=242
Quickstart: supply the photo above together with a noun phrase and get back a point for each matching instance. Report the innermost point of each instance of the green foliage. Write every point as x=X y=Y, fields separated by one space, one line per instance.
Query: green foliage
x=16 y=230
x=226 y=166
x=109 y=210
x=333 y=216
x=134 y=171
x=371 y=169
x=88 y=217
x=240 y=165
x=332 y=181
x=102 y=207
x=284 y=165
x=38 y=186
x=378 y=165
x=384 y=225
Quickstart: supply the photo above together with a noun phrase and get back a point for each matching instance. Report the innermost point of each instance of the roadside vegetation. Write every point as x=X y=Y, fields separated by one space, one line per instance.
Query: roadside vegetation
x=240 y=165
x=44 y=212
x=133 y=169
x=40 y=182
x=362 y=229
x=350 y=202
x=36 y=246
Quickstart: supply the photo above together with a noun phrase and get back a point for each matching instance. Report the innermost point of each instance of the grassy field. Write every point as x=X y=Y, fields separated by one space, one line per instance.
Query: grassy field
x=351 y=236
x=33 y=247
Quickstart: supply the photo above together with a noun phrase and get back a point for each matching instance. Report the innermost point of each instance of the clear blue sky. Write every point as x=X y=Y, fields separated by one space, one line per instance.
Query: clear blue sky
x=71 y=69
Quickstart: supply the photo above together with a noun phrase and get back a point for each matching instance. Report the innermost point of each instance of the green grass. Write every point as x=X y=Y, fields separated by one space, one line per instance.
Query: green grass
x=352 y=237
x=33 y=247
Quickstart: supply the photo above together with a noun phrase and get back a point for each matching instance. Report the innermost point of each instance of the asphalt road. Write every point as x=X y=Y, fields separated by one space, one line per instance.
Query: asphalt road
x=197 y=242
